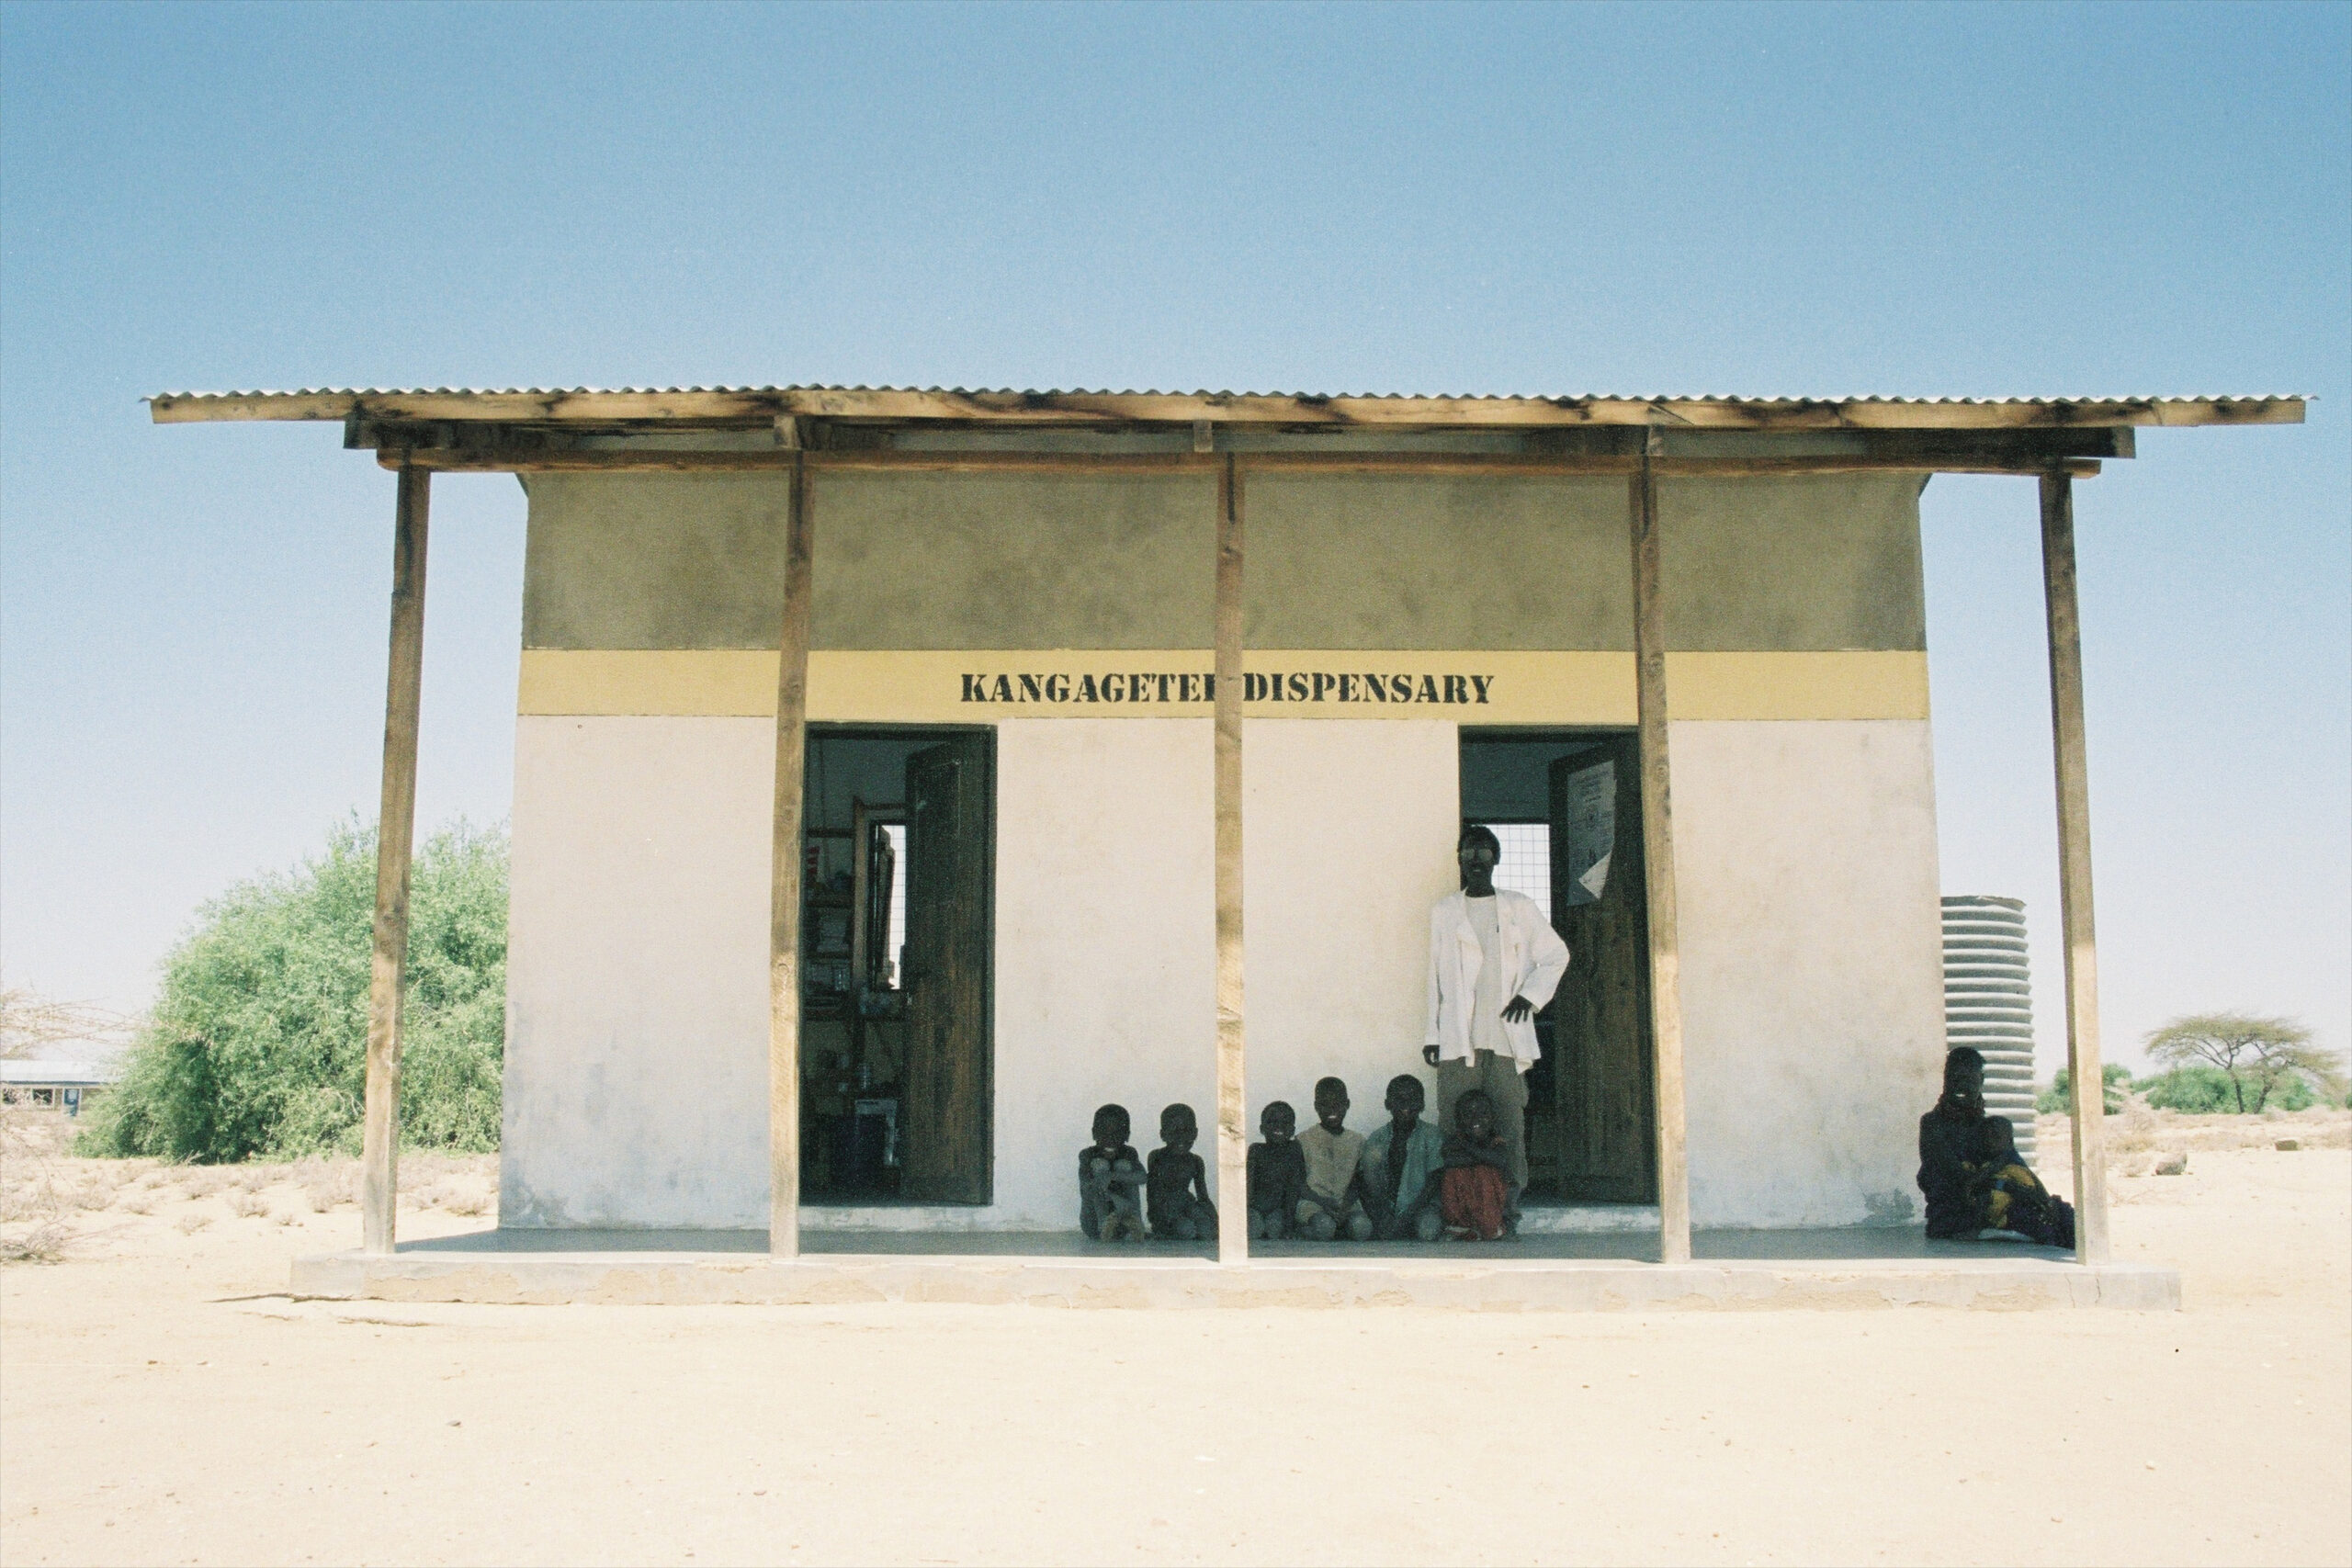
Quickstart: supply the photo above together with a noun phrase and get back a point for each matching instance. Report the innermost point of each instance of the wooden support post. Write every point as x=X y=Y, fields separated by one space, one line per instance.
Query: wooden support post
x=1658 y=853
x=2072 y=758
x=395 y=836
x=1232 y=1106
x=784 y=874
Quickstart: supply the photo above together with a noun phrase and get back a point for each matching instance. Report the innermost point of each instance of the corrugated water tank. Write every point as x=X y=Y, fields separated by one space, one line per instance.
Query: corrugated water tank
x=1988 y=1002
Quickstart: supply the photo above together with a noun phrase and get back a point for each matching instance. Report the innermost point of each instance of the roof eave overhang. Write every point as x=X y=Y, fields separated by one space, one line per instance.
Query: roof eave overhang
x=744 y=409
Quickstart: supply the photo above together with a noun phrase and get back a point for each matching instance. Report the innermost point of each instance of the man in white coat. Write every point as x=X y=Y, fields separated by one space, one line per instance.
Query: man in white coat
x=1494 y=959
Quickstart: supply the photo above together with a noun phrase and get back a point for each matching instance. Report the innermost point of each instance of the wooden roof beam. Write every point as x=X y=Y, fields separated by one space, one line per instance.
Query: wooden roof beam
x=453 y=447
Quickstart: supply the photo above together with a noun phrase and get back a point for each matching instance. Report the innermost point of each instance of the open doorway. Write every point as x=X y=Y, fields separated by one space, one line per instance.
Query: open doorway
x=1568 y=809
x=896 y=1098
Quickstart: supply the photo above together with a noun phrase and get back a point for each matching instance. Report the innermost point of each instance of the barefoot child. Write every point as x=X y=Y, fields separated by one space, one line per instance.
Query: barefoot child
x=1475 y=1192
x=1178 y=1186
x=1401 y=1165
x=1277 y=1174
x=1331 y=1207
x=1110 y=1179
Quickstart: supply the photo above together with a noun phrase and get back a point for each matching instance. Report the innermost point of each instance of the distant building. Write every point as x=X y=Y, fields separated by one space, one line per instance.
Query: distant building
x=60 y=1086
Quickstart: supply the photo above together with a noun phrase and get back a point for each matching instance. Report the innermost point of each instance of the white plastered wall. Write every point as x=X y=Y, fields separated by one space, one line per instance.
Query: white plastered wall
x=637 y=1046
x=637 y=1051
x=636 y=1062
x=1347 y=835
x=1106 y=939
x=1106 y=946
x=1805 y=869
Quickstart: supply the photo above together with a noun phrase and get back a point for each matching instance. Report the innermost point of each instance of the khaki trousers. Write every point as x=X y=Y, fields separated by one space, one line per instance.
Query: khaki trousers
x=1506 y=1086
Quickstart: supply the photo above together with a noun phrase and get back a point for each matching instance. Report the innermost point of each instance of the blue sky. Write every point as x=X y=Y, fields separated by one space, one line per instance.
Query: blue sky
x=1819 y=199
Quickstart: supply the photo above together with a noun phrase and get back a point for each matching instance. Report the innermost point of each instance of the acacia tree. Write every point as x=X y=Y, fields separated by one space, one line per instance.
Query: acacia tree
x=2263 y=1053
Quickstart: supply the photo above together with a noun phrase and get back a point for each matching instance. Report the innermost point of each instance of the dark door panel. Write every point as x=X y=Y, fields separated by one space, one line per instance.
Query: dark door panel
x=945 y=1121
x=1601 y=1018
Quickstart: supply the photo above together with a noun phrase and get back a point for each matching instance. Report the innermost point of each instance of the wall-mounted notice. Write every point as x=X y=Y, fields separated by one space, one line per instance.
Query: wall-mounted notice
x=1589 y=828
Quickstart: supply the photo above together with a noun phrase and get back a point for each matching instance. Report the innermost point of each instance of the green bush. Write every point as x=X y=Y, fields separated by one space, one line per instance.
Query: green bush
x=2058 y=1099
x=258 y=1047
x=2205 y=1090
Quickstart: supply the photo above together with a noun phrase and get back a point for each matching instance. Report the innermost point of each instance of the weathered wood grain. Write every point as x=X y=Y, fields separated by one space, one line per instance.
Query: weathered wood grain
x=1657 y=849
x=466 y=459
x=395 y=836
x=1603 y=1079
x=1232 y=1113
x=785 y=876
x=2072 y=765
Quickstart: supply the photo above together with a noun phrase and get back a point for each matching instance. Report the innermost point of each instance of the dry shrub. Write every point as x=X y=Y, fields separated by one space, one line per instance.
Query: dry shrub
x=141 y=1201
x=2136 y=1129
x=36 y=1202
x=248 y=1205
x=284 y=1218
x=420 y=1170
x=44 y=1242
x=253 y=1177
x=326 y=1183
x=468 y=1202
x=94 y=1196
x=191 y=1223
x=2140 y=1135
x=201 y=1180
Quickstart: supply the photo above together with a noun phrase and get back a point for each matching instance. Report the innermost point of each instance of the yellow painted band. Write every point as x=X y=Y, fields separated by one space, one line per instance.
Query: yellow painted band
x=1795 y=685
x=962 y=687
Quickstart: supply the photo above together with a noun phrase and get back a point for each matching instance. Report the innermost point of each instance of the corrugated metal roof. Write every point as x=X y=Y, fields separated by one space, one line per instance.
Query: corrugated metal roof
x=55 y=1070
x=1779 y=399
x=707 y=405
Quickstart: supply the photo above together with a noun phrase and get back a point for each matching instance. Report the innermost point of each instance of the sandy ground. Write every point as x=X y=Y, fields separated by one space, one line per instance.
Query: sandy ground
x=164 y=1401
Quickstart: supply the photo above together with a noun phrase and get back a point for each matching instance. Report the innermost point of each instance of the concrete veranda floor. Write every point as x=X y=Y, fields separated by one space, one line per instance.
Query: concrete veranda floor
x=1844 y=1244
x=1895 y=1267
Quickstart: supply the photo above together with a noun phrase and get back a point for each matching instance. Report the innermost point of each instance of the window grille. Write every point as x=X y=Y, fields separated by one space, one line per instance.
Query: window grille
x=1526 y=863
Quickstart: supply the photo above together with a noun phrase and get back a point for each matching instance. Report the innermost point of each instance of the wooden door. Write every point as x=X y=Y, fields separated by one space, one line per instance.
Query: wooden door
x=945 y=1154
x=1601 y=1018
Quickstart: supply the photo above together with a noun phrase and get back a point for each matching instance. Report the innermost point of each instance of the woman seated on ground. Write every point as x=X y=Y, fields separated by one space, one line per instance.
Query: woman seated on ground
x=1971 y=1173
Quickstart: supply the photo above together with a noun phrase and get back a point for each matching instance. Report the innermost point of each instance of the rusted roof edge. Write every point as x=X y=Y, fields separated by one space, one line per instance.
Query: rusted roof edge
x=754 y=406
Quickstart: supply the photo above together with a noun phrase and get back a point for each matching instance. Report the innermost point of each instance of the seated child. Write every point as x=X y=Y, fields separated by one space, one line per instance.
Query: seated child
x=1971 y=1172
x=1109 y=1176
x=1475 y=1192
x=1178 y=1190
x=1277 y=1174
x=1332 y=1205
x=1400 y=1166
